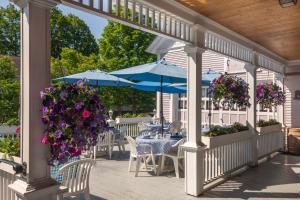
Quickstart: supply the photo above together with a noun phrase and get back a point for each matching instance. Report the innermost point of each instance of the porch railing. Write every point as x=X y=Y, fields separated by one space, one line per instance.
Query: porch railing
x=131 y=124
x=222 y=159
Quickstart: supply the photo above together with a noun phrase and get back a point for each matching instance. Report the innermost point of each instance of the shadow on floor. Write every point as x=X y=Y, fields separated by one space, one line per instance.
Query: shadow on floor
x=277 y=178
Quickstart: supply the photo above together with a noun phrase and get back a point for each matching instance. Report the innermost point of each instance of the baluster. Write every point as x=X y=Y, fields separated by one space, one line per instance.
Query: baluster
x=91 y=3
x=153 y=20
x=109 y=6
x=118 y=8
x=159 y=21
x=126 y=9
x=100 y=5
x=133 y=11
x=141 y=14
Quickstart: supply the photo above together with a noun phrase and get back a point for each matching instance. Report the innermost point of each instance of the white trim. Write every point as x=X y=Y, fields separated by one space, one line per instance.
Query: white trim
x=293 y=63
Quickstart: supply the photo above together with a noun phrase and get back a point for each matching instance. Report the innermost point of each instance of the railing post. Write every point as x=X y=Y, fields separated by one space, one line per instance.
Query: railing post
x=194 y=150
x=279 y=80
x=251 y=111
x=35 y=76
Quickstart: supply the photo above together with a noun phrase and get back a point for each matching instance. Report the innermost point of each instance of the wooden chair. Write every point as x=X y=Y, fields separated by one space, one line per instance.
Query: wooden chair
x=176 y=156
x=146 y=152
x=105 y=144
x=75 y=178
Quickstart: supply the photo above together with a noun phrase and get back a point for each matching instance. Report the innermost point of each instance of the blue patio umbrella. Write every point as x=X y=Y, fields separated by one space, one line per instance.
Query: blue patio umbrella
x=96 y=78
x=160 y=71
x=156 y=87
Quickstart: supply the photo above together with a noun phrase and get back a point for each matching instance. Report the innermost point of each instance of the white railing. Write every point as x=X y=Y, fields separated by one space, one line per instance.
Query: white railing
x=225 y=156
x=131 y=124
x=8 y=131
x=7 y=177
x=137 y=15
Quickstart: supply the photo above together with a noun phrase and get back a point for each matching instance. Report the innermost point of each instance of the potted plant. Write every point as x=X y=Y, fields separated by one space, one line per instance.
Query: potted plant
x=218 y=136
x=73 y=116
x=269 y=95
x=271 y=126
x=10 y=147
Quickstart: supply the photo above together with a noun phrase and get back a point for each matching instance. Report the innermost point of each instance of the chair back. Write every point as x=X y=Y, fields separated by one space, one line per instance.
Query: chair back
x=180 y=151
x=76 y=175
x=175 y=127
x=132 y=145
x=105 y=139
x=142 y=126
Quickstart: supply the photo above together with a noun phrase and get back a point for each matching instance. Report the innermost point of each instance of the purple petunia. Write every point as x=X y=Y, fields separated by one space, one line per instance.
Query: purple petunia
x=58 y=133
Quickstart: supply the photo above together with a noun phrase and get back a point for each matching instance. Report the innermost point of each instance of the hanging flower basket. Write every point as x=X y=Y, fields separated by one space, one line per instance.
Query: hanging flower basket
x=74 y=116
x=269 y=95
x=230 y=90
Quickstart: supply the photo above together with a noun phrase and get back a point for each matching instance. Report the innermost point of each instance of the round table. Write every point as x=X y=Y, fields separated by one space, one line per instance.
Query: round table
x=159 y=146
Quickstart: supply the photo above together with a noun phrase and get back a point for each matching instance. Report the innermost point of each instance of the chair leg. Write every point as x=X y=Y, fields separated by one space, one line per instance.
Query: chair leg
x=123 y=146
x=130 y=163
x=138 y=164
x=154 y=164
x=87 y=195
x=110 y=151
x=176 y=166
x=163 y=159
x=95 y=152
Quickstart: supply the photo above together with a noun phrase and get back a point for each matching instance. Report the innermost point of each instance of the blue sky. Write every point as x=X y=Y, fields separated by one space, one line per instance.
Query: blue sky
x=95 y=23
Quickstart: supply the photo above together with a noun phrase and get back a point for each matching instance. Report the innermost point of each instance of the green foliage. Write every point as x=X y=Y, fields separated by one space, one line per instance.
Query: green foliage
x=122 y=47
x=219 y=130
x=71 y=32
x=263 y=123
x=9 y=31
x=9 y=91
x=10 y=146
x=132 y=115
x=67 y=31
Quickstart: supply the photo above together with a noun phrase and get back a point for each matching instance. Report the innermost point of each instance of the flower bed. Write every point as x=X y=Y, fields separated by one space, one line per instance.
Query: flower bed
x=219 y=136
x=271 y=126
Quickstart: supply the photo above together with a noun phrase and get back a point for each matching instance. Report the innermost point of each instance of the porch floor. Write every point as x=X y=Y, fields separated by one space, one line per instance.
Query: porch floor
x=278 y=178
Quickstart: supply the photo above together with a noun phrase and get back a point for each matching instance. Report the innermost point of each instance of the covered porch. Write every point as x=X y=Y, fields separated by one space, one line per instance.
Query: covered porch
x=180 y=21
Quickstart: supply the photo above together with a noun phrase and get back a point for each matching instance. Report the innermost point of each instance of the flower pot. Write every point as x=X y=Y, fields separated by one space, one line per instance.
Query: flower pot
x=221 y=140
x=269 y=129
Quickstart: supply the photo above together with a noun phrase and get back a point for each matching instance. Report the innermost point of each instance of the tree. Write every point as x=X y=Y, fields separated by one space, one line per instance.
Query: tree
x=9 y=31
x=71 y=32
x=121 y=47
x=67 y=31
x=9 y=91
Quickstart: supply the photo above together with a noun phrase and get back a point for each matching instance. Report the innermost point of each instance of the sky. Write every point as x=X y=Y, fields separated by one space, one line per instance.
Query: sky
x=95 y=23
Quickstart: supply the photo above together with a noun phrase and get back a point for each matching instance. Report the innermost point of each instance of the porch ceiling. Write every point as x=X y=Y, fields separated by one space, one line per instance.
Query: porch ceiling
x=264 y=22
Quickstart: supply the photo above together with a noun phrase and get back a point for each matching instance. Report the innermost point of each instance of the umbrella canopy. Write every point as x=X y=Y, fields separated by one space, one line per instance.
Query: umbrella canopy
x=160 y=71
x=156 y=87
x=97 y=78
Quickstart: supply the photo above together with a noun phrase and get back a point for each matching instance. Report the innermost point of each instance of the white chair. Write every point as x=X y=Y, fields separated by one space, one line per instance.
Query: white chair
x=75 y=178
x=176 y=156
x=175 y=127
x=120 y=142
x=145 y=152
x=105 y=144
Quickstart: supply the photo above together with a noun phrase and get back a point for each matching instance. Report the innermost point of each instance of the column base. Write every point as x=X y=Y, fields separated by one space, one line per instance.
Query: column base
x=48 y=190
x=194 y=168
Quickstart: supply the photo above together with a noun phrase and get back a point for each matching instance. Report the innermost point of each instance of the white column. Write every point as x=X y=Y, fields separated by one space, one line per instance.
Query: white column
x=157 y=104
x=279 y=80
x=194 y=151
x=35 y=76
x=174 y=107
x=251 y=111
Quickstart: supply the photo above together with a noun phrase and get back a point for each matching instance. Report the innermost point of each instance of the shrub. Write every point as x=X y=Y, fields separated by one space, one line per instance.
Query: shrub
x=219 y=130
x=263 y=123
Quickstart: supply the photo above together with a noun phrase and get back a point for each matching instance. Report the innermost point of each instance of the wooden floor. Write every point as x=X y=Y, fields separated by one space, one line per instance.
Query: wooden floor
x=278 y=178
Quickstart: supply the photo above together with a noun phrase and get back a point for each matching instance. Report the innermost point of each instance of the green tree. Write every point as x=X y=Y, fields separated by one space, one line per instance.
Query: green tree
x=120 y=47
x=71 y=32
x=9 y=31
x=9 y=90
x=67 y=31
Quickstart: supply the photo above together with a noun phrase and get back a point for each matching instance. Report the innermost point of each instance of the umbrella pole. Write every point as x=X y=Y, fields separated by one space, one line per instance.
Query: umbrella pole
x=161 y=107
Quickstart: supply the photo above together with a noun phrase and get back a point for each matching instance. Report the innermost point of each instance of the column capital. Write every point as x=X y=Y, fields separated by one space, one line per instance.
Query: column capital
x=250 y=67
x=41 y=3
x=193 y=49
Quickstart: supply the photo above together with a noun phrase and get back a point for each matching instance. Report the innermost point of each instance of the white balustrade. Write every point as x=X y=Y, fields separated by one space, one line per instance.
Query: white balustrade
x=131 y=124
x=8 y=132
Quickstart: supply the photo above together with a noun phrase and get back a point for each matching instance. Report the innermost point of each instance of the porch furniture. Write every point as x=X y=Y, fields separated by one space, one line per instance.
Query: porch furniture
x=177 y=156
x=105 y=144
x=75 y=177
x=175 y=127
x=120 y=137
x=141 y=153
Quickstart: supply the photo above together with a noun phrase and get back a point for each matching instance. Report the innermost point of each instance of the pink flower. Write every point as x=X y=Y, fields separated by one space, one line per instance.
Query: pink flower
x=18 y=130
x=44 y=139
x=85 y=113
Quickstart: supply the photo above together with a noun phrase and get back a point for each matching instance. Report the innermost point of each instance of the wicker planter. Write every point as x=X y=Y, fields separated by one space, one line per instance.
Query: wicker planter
x=212 y=142
x=294 y=141
x=269 y=129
